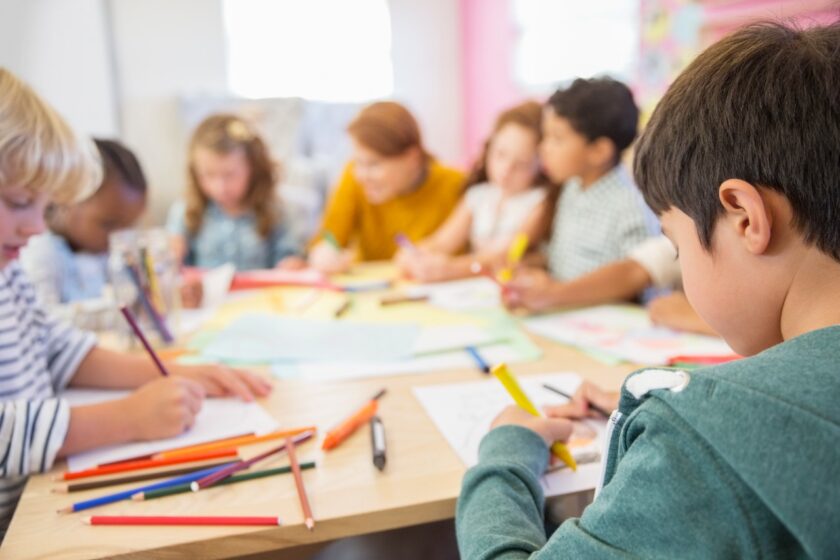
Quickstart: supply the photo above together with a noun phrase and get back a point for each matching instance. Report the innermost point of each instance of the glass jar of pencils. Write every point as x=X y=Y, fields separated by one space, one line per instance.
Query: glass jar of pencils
x=144 y=277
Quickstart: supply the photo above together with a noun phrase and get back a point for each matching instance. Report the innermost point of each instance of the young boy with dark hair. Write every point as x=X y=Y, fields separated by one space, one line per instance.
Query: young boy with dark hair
x=740 y=460
x=600 y=216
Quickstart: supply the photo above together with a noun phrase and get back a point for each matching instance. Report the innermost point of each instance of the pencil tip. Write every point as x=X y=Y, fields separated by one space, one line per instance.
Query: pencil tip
x=138 y=497
x=310 y=523
x=194 y=486
x=86 y=520
x=68 y=509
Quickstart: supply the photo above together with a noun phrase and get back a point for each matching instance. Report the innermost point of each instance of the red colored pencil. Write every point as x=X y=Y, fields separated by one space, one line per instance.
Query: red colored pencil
x=301 y=489
x=129 y=316
x=147 y=464
x=211 y=479
x=181 y=520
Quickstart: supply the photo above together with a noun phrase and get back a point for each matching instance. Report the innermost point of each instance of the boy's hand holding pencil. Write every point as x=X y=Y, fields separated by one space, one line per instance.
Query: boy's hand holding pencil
x=165 y=407
x=222 y=381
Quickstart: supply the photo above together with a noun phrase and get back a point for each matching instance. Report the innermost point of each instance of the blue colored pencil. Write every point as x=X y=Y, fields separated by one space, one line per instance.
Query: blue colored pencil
x=158 y=321
x=479 y=361
x=127 y=494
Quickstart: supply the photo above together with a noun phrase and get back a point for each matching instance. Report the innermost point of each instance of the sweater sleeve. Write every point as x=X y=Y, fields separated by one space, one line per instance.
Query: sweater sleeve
x=667 y=496
x=340 y=213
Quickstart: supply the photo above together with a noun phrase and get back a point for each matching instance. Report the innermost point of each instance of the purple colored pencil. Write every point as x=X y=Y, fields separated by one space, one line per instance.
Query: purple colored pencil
x=129 y=316
x=215 y=477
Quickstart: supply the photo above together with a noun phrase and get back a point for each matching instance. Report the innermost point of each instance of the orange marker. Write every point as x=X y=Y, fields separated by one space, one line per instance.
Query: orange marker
x=362 y=416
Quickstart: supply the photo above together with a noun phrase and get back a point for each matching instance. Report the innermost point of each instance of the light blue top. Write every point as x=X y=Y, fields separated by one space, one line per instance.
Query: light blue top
x=60 y=275
x=225 y=239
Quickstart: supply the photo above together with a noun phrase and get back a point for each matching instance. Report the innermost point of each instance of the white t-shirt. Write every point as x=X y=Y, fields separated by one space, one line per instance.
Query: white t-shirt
x=658 y=256
x=495 y=221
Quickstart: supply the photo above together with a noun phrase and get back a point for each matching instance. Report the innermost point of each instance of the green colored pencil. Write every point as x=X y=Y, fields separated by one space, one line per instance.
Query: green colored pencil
x=330 y=238
x=183 y=488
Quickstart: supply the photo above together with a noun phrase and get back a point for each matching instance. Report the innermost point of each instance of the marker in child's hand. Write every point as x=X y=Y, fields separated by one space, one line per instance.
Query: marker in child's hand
x=330 y=238
x=510 y=383
x=515 y=253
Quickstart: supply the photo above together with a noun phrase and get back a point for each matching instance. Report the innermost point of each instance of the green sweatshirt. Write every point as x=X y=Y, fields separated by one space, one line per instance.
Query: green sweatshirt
x=743 y=461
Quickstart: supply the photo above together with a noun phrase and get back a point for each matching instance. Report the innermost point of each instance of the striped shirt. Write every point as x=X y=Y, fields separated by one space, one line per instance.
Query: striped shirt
x=38 y=358
x=597 y=225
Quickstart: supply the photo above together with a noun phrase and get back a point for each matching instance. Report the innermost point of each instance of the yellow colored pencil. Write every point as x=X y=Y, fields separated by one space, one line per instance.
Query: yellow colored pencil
x=515 y=253
x=510 y=384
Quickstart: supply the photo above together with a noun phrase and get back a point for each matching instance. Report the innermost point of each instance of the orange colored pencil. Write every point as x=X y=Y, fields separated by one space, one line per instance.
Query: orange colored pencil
x=147 y=464
x=233 y=442
x=308 y=520
x=362 y=416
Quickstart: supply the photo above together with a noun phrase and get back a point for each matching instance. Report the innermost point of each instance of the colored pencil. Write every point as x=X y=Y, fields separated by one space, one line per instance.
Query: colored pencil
x=104 y=483
x=510 y=384
x=147 y=304
x=129 y=317
x=479 y=361
x=703 y=360
x=330 y=238
x=127 y=494
x=147 y=464
x=233 y=442
x=213 y=478
x=402 y=298
x=404 y=242
x=183 y=488
x=363 y=415
x=562 y=393
x=364 y=286
x=301 y=489
x=181 y=520
x=344 y=307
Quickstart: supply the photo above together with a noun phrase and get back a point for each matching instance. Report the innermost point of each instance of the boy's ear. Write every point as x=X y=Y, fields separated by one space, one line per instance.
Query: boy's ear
x=601 y=151
x=746 y=212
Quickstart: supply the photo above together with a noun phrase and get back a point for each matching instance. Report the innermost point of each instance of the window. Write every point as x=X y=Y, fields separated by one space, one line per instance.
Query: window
x=563 y=39
x=328 y=50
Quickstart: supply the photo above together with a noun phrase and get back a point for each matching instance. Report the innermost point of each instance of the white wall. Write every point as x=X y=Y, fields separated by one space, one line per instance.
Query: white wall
x=60 y=48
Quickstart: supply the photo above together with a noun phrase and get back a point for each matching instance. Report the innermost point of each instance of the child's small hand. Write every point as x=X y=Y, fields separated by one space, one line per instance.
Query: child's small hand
x=326 y=258
x=192 y=292
x=529 y=289
x=293 y=262
x=549 y=429
x=423 y=266
x=580 y=405
x=163 y=408
x=221 y=381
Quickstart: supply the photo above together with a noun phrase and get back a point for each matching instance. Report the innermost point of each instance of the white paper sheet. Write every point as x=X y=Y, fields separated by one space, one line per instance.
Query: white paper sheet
x=454 y=337
x=461 y=295
x=218 y=419
x=463 y=413
x=624 y=332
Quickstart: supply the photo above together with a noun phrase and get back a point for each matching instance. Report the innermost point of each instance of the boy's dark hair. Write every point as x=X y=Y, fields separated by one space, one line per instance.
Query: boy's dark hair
x=599 y=107
x=119 y=160
x=762 y=105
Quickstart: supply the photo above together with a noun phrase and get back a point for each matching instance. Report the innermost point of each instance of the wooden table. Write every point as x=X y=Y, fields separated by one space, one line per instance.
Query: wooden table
x=348 y=495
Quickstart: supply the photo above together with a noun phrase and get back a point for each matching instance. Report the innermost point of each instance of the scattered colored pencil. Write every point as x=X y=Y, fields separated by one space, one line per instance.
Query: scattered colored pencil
x=126 y=494
x=233 y=442
x=562 y=393
x=181 y=520
x=148 y=464
x=402 y=298
x=479 y=361
x=183 y=488
x=344 y=307
x=129 y=317
x=362 y=416
x=510 y=384
x=213 y=478
x=301 y=489
x=104 y=483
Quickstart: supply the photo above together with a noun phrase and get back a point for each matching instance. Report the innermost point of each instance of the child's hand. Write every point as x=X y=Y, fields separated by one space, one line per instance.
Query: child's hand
x=674 y=311
x=530 y=289
x=293 y=262
x=163 y=408
x=423 y=266
x=579 y=407
x=192 y=292
x=327 y=259
x=549 y=429
x=221 y=381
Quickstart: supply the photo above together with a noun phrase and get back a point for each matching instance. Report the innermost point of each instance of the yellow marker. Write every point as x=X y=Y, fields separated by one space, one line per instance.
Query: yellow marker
x=510 y=383
x=515 y=252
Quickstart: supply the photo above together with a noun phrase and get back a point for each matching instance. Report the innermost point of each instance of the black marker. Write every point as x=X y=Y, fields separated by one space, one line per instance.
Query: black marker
x=377 y=442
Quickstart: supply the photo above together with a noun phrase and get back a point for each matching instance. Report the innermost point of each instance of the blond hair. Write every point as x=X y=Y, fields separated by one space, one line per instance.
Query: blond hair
x=224 y=134
x=38 y=149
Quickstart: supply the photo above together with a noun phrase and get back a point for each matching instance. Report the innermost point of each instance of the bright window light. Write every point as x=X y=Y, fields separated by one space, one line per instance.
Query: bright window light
x=563 y=39
x=326 y=50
